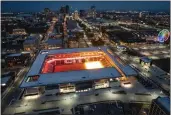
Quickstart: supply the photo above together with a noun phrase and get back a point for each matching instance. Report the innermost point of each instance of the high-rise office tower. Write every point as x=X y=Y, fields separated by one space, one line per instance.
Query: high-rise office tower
x=47 y=11
x=92 y=12
x=67 y=9
x=63 y=10
x=82 y=13
x=140 y=15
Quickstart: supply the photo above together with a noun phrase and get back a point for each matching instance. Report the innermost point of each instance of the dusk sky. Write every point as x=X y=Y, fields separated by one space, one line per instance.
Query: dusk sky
x=33 y=6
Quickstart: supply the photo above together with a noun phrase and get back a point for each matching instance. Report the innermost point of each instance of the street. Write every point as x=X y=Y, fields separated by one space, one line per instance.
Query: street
x=13 y=92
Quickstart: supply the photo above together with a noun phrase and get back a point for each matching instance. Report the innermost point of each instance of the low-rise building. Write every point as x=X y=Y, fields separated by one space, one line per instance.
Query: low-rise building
x=6 y=80
x=17 y=59
x=31 y=44
x=53 y=43
x=145 y=61
x=73 y=42
x=160 y=106
x=19 y=32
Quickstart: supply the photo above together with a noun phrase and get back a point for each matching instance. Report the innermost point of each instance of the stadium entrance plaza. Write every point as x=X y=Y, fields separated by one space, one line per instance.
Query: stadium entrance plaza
x=66 y=102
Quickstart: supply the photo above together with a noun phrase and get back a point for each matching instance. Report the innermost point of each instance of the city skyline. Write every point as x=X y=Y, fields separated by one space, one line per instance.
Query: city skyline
x=37 y=6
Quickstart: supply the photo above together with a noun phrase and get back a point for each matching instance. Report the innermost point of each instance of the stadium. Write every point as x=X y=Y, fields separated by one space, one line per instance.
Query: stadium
x=75 y=70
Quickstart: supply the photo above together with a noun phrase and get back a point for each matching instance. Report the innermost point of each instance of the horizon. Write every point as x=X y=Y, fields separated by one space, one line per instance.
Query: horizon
x=38 y=6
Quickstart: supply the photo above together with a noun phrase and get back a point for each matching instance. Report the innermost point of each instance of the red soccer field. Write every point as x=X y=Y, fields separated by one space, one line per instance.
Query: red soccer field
x=72 y=67
x=74 y=61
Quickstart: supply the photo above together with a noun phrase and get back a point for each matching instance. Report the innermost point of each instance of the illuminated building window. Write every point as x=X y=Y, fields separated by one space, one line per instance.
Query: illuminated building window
x=32 y=78
x=44 y=52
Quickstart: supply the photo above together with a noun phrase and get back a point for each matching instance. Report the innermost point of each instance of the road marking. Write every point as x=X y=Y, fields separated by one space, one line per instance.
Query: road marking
x=9 y=88
x=6 y=92
x=20 y=71
x=12 y=101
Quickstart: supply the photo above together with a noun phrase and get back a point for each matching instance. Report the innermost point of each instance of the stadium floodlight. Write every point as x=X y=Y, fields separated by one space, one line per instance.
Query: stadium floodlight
x=93 y=65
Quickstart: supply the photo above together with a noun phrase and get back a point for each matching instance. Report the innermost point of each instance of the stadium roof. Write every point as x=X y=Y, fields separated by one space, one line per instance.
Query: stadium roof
x=74 y=76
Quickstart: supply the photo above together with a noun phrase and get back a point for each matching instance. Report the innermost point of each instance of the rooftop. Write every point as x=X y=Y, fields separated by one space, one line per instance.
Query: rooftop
x=77 y=30
x=165 y=102
x=14 y=55
x=146 y=59
x=72 y=24
x=5 y=79
x=30 y=39
x=24 y=15
x=18 y=54
x=73 y=75
x=54 y=41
